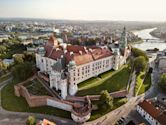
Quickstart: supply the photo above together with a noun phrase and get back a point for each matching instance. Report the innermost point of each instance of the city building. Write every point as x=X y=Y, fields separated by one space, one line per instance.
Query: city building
x=68 y=65
x=152 y=112
x=161 y=61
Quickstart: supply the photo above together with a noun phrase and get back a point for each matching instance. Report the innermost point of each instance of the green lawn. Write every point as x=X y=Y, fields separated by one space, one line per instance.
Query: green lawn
x=4 y=77
x=98 y=113
x=36 y=88
x=111 y=81
x=139 y=82
x=146 y=84
x=12 y=103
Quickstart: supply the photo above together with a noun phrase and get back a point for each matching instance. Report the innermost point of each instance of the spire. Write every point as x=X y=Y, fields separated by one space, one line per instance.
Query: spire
x=124 y=29
x=123 y=40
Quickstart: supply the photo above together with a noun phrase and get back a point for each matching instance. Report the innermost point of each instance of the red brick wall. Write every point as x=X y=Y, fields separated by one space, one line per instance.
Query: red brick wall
x=33 y=101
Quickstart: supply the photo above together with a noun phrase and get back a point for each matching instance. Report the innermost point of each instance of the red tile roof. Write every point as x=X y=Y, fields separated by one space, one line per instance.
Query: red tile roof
x=162 y=118
x=52 y=41
x=82 y=59
x=100 y=53
x=75 y=48
x=46 y=122
x=149 y=108
x=81 y=55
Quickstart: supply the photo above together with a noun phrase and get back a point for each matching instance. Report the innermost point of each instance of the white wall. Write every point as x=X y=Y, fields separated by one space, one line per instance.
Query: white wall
x=146 y=116
x=59 y=105
x=92 y=69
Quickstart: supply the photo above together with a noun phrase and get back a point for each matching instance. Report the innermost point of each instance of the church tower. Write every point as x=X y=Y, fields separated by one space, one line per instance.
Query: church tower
x=123 y=41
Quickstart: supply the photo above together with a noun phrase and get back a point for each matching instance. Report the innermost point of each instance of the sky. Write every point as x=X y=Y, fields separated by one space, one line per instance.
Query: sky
x=127 y=10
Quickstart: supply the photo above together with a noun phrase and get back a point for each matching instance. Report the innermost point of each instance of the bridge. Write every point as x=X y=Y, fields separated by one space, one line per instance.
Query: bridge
x=151 y=39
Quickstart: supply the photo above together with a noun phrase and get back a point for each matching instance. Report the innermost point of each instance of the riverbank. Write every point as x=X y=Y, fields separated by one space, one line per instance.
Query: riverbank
x=137 y=42
x=158 y=34
x=150 y=44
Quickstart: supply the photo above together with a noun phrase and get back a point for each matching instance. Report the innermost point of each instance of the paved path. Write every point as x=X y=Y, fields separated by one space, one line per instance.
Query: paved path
x=132 y=85
x=19 y=118
x=113 y=116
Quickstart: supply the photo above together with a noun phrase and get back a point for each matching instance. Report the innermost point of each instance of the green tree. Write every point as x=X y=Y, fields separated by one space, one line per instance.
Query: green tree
x=137 y=52
x=18 y=58
x=106 y=101
x=22 y=71
x=162 y=82
x=30 y=57
x=3 y=67
x=140 y=64
x=31 y=120
x=2 y=49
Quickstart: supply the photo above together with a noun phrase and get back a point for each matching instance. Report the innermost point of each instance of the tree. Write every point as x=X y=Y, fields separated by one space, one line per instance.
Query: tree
x=29 y=57
x=18 y=58
x=2 y=49
x=106 y=101
x=31 y=120
x=140 y=64
x=162 y=82
x=137 y=52
x=3 y=67
x=22 y=71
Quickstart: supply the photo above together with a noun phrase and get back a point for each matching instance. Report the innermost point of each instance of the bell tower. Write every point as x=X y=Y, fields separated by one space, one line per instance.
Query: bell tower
x=123 y=40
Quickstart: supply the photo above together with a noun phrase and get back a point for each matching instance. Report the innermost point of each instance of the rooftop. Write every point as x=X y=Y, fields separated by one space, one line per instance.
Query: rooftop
x=80 y=54
x=153 y=111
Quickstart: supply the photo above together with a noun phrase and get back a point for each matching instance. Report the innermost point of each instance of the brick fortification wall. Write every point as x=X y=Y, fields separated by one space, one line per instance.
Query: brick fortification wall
x=35 y=101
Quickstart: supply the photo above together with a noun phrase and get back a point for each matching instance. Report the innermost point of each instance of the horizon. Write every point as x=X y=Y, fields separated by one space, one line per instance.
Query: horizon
x=81 y=20
x=84 y=10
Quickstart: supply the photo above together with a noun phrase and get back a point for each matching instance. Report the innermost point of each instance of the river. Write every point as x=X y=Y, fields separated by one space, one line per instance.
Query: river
x=150 y=44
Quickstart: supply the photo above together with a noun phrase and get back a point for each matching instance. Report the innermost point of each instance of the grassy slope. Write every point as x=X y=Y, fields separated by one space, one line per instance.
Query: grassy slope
x=146 y=84
x=12 y=103
x=139 y=81
x=109 y=81
x=4 y=77
x=98 y=113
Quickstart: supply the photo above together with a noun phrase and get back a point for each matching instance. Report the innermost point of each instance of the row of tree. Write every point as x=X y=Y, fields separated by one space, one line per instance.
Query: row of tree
x=140 y=61
x=162 y=82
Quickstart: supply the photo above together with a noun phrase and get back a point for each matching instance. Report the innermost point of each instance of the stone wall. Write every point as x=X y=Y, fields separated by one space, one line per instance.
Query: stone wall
x=58 y=104
x=35 y=101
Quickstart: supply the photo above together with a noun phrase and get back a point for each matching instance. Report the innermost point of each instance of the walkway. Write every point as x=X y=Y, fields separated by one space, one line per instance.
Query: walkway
x=132 y=86
x=117 y=94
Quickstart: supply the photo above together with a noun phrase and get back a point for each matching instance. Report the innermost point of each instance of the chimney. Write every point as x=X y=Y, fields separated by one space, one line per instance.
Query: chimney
x=90 y=50
x=65 y=51
x=80 y=52
x=57 y=49
x=71 y=53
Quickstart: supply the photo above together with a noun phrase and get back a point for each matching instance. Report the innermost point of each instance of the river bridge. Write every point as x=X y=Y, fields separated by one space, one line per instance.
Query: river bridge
x=151 y=39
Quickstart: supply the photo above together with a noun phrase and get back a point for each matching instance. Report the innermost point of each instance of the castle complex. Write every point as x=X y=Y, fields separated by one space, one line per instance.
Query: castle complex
x=68 y=65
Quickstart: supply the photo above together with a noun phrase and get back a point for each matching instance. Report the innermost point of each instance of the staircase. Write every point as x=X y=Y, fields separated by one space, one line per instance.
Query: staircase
x=47 y=87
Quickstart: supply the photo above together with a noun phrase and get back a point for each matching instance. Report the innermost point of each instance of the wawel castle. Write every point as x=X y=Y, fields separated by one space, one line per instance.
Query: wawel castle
x=65 y=65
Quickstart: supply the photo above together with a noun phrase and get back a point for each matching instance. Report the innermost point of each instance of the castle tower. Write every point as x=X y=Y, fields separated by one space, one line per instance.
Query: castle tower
x=73 y=88
x=123 y=41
